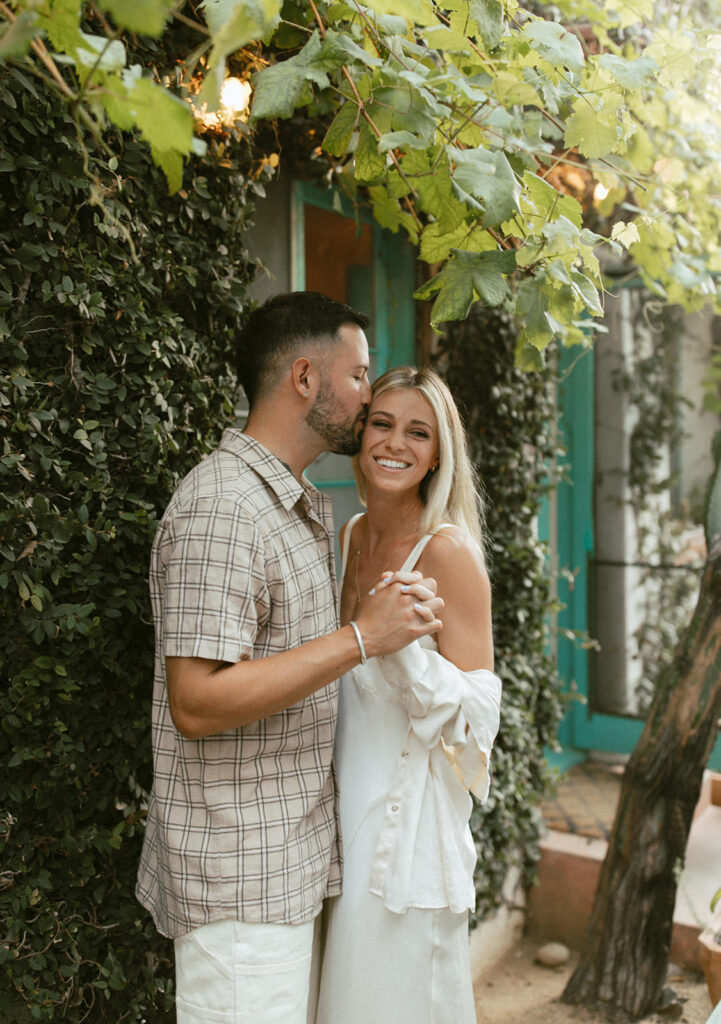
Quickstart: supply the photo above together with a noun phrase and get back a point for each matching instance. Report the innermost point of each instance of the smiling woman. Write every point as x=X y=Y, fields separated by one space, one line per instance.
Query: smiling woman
x=415 y=729
x=400 y=440
x=449 y=490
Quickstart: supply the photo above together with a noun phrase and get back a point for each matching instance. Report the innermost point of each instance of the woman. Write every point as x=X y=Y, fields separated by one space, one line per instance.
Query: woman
x=415 y=729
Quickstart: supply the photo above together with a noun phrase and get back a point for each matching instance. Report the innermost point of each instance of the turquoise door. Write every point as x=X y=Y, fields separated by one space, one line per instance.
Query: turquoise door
x=567 y=522
x=353 y=260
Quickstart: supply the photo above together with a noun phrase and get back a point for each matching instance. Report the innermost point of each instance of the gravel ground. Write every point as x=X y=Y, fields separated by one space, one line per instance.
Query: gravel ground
x=520 y=991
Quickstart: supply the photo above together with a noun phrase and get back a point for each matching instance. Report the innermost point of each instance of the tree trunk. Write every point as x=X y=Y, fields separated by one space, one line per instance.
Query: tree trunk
x=625 y=958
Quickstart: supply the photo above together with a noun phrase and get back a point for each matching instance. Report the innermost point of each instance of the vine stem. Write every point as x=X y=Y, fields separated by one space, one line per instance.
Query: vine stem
x=198 y=26
x=362 y=110
x=39 y=48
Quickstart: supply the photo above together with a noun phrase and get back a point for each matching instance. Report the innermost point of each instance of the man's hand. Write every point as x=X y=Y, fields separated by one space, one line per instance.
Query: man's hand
x=208 y=697
x=400 y=608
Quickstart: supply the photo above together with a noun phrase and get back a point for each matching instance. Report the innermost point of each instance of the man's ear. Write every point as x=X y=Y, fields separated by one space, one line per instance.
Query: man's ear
x=304 y=377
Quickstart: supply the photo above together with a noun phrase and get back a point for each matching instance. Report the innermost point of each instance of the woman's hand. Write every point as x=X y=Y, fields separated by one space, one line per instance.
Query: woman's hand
x=399 y=609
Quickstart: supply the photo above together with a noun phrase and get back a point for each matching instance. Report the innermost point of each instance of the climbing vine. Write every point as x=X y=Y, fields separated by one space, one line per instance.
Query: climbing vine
x=509 y=416
x=669 y=581
x=115 y=378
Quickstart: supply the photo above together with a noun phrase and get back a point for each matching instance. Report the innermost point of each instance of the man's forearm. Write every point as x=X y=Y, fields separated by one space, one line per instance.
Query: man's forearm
x=208 y=697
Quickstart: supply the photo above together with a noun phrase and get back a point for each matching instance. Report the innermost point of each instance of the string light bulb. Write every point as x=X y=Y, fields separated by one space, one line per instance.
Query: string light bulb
x=235 y=96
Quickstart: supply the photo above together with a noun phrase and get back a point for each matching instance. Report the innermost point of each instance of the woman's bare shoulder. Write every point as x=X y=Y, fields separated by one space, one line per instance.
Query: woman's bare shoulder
x=452 y=546
x=455 y=561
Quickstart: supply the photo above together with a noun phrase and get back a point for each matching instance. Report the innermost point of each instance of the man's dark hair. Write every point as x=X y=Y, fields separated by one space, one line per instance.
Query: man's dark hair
x=283 y=323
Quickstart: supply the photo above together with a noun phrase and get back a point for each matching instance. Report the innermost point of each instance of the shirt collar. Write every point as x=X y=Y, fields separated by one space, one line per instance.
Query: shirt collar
x=276 y=474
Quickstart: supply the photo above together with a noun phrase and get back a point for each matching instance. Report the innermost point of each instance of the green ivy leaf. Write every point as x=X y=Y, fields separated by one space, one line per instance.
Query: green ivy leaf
x=586 y=291
x=486 y=175
x=339 y=49
x=465 y=277
x=625 y=233
x=338 y=137
x=389 y=214
x=233 y=23
x=278 y=89
x=101 y=53
x=171 y=163
x=436 y=243
x=418 y=12
x=164 y=120
x=399 y=140
x=15 y=41
x=512 y=91
x=488 y=15
x=436 y=197
x=531 y=305
x=594 y=125
x=370 y=165
x=555 y=44
x=148 y=17
x=631 y=74
x=117 y=104
x=548 y=203
x=62 y=25
x=674 y=53
x=527 y=357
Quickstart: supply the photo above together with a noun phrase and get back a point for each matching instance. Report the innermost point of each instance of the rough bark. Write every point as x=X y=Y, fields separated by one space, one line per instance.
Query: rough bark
x=623 y=964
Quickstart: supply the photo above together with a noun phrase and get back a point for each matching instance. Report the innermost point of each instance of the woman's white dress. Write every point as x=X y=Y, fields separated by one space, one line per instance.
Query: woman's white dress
x=414 y=734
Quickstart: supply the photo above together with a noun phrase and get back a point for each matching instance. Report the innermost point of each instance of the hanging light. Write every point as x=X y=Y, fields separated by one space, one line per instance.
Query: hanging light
x=235 y=96
x=234 y=104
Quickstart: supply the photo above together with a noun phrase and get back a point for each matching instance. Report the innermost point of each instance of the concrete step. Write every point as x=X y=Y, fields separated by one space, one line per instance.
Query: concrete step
x=559 y=907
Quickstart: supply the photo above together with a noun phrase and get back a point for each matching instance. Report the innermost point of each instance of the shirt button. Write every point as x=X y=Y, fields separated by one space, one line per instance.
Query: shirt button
x=394 y=808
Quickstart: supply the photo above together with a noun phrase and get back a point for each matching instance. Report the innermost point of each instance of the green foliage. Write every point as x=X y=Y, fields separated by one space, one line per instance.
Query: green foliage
x=666 y=591
x=115 y=379
x=509 y=416
x=472 y=103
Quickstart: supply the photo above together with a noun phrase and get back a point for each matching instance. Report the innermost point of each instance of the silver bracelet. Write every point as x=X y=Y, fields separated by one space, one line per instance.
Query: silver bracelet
x=359 y=638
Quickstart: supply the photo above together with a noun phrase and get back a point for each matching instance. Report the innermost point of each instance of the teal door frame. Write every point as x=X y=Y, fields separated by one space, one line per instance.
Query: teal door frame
x=582 y=730
x=392 y=285
x=393 y=277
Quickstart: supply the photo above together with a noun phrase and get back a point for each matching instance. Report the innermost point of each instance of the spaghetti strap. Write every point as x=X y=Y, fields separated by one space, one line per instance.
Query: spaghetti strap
x=418 y=550
x=346 y=545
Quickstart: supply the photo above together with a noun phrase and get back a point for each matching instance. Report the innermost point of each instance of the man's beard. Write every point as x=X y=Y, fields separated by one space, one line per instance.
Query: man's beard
x=341 y=436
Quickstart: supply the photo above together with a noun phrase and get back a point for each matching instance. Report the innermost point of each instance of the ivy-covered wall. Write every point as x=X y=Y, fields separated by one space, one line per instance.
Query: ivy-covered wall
x=117 y=324
x=115 y=379
x=509 y=415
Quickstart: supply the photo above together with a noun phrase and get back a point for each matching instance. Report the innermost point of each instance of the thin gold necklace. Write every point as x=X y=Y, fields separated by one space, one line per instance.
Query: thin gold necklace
x=357 y=588
x=358 y=600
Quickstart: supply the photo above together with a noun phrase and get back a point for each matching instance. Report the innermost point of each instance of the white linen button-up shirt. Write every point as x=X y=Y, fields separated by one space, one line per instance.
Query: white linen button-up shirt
x=453 y=718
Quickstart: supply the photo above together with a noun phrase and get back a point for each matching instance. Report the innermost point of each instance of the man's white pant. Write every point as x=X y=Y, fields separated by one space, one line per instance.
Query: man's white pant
x=235 y=972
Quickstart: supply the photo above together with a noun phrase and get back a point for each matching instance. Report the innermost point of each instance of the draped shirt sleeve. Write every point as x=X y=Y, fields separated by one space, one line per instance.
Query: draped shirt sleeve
x=425 y=855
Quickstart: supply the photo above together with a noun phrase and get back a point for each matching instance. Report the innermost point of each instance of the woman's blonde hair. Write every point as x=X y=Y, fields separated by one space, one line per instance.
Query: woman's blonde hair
x=451 y=493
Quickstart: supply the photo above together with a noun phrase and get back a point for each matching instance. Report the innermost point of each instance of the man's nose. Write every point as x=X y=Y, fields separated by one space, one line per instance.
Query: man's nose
x=366 y=394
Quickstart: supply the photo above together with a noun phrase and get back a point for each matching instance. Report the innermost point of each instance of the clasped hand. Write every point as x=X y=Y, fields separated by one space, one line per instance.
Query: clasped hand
x=402 y=607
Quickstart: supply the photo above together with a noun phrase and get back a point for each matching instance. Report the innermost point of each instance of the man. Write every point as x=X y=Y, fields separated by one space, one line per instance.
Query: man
x=241 y=845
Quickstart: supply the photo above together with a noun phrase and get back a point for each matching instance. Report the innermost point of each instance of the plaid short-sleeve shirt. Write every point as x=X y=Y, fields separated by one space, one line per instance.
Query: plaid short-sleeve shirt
x=242 y=824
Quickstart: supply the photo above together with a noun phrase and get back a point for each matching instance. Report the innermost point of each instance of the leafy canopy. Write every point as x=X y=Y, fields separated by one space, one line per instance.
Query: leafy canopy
x=488 y=133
